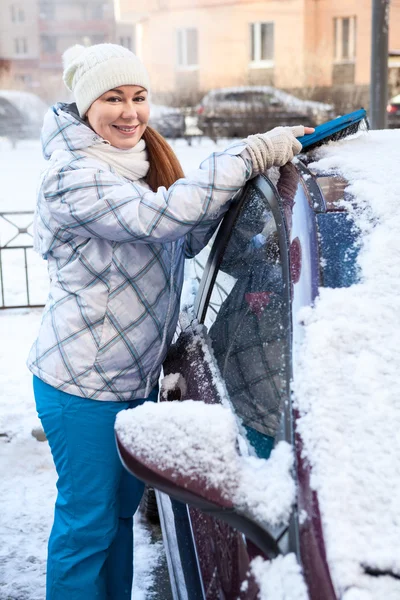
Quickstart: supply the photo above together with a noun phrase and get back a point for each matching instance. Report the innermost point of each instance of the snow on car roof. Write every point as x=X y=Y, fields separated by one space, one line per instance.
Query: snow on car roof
x=347 y=380
x=28 y=103
x=284 y=97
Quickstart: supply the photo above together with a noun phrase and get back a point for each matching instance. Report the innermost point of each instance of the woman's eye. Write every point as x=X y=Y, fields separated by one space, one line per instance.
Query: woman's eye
x=140 y=99
x=114 y=99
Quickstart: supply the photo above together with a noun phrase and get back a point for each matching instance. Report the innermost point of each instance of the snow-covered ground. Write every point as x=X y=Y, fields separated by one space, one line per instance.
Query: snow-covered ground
x=27 y=474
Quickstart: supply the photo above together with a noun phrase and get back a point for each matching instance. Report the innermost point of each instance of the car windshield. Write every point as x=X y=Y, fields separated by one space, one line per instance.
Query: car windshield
x=248 y=97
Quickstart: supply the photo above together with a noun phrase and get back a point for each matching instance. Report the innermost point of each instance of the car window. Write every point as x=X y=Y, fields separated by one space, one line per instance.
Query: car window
x=245 y=321
x=248 y=97
x=7 y=109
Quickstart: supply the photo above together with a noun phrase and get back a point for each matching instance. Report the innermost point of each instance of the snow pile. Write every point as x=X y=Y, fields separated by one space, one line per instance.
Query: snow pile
x=199 y=441
x=347 y=380
x=172 y=382
x=279 y=579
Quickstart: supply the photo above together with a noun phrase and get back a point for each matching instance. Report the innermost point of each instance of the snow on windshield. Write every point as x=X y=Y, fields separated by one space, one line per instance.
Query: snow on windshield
x=347 y=380
x=199 y=441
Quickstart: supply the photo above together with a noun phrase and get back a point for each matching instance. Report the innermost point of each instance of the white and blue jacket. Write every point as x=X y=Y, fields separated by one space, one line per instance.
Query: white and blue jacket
x=115 y=253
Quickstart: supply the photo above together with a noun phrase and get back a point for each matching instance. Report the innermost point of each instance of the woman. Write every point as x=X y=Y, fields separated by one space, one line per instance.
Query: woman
x=115 y=220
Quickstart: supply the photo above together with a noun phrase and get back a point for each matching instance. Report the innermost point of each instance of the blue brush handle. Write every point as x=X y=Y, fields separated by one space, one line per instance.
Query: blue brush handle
x=331 y=127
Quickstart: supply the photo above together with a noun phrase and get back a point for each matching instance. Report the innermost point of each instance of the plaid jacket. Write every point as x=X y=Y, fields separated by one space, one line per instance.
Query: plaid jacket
x=115 y=253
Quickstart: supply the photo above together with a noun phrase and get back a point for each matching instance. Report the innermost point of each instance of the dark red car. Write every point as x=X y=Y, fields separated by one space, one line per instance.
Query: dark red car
x=263 y=265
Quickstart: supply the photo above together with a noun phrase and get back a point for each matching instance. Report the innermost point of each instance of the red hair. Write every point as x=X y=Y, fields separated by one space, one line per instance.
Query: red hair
x=165 y=168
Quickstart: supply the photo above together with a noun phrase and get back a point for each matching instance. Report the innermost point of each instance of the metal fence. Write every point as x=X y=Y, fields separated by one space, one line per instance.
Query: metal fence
x=23 y=274
x=16 y=243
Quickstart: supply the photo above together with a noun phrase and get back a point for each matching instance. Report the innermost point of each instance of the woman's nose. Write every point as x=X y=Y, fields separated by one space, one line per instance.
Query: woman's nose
x=129 y=111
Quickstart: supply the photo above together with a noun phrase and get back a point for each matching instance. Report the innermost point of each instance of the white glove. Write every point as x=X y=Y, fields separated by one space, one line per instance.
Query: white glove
x=274 y=148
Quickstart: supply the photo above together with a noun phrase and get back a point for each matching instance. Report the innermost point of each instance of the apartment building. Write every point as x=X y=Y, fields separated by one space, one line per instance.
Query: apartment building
x=19 y=39
x=201 y=44
x=35 y=33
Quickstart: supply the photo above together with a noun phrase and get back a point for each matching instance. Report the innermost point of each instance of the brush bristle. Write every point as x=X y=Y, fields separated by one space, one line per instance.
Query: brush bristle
x=362 y=125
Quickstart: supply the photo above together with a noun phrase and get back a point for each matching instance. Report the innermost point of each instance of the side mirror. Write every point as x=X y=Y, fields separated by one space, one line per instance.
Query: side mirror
x=189 y=450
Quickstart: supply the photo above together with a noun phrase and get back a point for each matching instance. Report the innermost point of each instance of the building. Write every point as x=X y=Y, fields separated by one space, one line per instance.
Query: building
x=201 y=44
x=19 y=41
x=35 y=33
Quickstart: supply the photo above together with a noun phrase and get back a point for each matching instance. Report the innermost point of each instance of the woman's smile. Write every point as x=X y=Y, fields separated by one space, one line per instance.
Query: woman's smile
x=126 y=129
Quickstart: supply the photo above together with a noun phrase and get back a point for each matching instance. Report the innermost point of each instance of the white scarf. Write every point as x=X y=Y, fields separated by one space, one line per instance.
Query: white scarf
x=132 y=163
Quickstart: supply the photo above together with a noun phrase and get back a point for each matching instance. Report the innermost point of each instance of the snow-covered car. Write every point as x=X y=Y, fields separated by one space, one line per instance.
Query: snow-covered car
x=21 y=115
x=241 y=111
x=295 y=324
x=393 y=111
x=169 y=121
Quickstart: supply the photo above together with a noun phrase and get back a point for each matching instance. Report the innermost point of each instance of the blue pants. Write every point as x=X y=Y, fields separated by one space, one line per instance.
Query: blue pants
x=90 y=553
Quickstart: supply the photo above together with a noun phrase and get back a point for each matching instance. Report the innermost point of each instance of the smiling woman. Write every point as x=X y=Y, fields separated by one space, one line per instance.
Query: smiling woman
x=115 y=220
x=120 y=116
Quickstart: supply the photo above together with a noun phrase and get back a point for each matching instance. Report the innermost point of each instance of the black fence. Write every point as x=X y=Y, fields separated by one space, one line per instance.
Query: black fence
x=16 y=261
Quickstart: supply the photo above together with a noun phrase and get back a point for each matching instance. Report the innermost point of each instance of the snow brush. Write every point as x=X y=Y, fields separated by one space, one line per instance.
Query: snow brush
x=335 y=130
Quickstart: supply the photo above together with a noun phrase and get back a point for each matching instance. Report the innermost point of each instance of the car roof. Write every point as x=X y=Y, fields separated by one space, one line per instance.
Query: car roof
x=26 y=102
x=284 y=97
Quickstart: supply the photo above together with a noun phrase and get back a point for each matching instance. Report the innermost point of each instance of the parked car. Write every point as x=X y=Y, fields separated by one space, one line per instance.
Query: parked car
x=21 y=115
x=241 y=111
x=393 y=110
x=285 y=239
x=167 y=120
x=241 y=319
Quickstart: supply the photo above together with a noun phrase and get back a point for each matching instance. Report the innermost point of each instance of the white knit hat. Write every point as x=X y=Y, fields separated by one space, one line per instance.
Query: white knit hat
x=92 y=71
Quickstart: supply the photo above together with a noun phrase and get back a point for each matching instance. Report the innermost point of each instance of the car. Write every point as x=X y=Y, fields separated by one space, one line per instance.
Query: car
x=393 y=112
x=241 y=111
x=169 y=121
x=287 y=243
x=21 y=115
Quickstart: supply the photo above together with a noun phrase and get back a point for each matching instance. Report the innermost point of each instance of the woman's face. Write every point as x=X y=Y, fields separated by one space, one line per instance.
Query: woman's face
x=120 y=116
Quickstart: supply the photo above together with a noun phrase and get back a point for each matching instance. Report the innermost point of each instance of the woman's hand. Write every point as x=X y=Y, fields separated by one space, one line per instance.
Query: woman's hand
x=276 y=147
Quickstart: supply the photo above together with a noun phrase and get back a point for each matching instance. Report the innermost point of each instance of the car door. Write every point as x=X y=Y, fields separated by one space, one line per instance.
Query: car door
x=237 y=350
x=244 y=302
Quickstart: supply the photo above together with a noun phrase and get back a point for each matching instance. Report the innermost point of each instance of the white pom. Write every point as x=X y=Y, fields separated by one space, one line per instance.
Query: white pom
x=71 y=54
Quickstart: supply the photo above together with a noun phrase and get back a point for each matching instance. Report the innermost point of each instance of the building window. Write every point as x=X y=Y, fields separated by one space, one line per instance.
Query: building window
x=187 y=47
x=25 y=79
x=261 y=43
x=17 y=14
x=126 y=41
x=21 y=46
x=49 y=44
x=344 y=35
x=97 y=12
x=47 y=11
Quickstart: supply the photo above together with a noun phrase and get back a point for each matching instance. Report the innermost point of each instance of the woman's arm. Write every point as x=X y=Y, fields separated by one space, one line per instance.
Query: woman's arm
x=94 y=203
